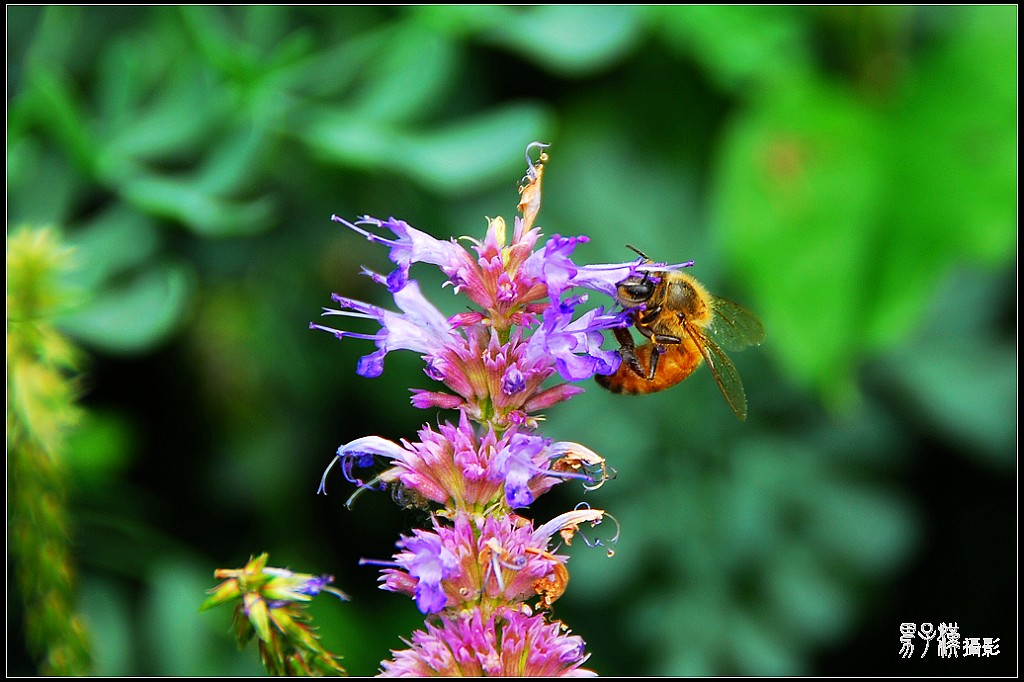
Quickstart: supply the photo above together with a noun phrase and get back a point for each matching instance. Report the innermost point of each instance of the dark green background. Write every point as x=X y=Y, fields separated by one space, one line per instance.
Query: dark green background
x=847 y=173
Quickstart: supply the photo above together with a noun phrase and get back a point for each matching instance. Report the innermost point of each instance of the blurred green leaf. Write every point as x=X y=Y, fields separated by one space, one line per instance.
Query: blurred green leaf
x=136 y=315
x=114 y=242
x=334 y=70
x=859 y=210
x=41 y=186
x=804 y=595
x=455 y=158
x=963 y=383
x=409 y=78
x=870 y=529
x=229 y=168
x=956 y=131
x=937 y=377
x=54 y=105
x=254 y=54
x=797 y=200
x=188 y=202
x=473 y=151
x=143 y=120
x=220 y=43
x=571 y=40
x=462 y=21
x=740 y=46
x=58 y=30
x=108 y=610
x=672 y=616
x=953 y=158
x=763 y=648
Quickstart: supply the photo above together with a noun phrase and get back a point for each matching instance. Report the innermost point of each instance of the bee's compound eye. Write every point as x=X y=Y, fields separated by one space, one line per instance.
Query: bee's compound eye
x=635 y=291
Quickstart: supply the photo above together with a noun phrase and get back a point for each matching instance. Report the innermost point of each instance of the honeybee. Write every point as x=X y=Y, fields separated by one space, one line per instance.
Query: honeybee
x=684 y=324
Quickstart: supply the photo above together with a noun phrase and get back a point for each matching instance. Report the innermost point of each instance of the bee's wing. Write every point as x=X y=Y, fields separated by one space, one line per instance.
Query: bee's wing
x=733 y=326
x=726 y=376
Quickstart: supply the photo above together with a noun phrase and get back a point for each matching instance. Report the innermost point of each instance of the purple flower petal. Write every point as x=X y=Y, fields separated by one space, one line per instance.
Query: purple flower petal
x=430 y=562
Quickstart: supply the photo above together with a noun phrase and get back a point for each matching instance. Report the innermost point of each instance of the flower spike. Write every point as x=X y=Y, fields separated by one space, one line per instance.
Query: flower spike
x=527 y=336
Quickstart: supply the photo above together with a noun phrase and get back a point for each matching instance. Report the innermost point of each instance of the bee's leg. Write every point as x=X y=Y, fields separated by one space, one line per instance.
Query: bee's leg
x=656 y=352
x=660 y=341
x=627 y=350
x=647 y=314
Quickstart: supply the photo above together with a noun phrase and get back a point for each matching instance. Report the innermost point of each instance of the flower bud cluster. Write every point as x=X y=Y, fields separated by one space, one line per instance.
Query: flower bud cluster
x=271 y=605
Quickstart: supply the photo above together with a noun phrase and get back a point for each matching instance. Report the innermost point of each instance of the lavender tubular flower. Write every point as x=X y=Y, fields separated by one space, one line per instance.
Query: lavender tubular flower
x=410 y=246
x=455 y=467
x=479 y=561
x=575 y=345
x=474 y=570
x=420 y=327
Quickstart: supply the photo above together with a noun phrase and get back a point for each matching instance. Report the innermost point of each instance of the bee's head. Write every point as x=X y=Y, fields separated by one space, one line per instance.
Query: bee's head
x=637 y=289
x=634 y=291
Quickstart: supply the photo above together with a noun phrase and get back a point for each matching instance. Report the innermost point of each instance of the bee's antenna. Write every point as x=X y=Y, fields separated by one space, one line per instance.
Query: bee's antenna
x=642 y=254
